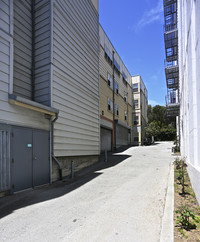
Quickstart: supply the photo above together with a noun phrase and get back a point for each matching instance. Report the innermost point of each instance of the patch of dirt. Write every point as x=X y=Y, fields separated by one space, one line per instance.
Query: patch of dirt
x=189 y=199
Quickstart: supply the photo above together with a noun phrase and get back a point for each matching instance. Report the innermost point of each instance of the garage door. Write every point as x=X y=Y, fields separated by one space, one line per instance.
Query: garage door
x=122 y=137
x=106 y=139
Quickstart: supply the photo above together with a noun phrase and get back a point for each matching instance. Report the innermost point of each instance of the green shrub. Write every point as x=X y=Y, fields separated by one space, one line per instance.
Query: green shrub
x=186 y=218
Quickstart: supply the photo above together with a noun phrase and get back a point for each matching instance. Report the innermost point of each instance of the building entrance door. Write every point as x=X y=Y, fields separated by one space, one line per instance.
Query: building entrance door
x=30 y=158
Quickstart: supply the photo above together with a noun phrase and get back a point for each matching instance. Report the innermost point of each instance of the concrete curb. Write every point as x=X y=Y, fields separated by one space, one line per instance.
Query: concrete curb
x=167 y=229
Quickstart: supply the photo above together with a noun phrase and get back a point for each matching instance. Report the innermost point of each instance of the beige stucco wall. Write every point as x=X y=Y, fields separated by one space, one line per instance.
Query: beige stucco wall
x=142 y=97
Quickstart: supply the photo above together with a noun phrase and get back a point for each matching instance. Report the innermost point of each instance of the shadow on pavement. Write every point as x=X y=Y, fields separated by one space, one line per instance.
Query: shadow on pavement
x=29 y=197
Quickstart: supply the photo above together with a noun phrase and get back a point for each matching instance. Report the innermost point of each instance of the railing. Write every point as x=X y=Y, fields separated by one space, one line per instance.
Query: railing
x=168 y=2
x=170 y=64
x=170 y=27
x=173 y=83
x=172 y=98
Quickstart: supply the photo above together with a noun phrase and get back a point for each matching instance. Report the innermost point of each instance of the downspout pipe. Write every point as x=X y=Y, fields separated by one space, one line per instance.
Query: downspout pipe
x=114 y=138
x=52 y=146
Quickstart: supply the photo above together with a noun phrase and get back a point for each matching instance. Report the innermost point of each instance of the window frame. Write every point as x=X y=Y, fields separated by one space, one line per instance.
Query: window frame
x=134 y=106
x=116 y=87
x=136 y=119
x=110 y=80
x=110 y=104
x=116 y=109
x=134 y=88
x=126 y=116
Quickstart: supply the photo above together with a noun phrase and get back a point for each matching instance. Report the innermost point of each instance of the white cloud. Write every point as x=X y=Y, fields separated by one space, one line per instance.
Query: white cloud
x=153 y=103
x=151 y=16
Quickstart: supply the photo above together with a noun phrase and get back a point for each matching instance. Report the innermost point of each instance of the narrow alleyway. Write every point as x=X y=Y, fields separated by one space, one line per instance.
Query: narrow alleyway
x=124 y=201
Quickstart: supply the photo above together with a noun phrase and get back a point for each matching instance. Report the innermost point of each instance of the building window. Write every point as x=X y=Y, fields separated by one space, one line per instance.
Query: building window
x=135 y=87
x=124 y=78
x=126 y=97
x=110 y=81
x=116 y=87
x=136 y=120
x=110 y=105
x=116 y=109
x=116 y=67
x=108 y=55
x=136 y=104
x=126 y=115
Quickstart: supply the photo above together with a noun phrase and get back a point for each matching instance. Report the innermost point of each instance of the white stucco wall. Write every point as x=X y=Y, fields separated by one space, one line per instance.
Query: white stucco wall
x=189 y=55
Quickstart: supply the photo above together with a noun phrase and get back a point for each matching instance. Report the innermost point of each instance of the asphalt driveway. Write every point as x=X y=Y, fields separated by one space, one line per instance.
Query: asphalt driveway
x=127 y=198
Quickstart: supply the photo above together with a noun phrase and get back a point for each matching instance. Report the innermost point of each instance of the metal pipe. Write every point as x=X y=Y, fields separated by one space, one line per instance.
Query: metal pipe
x=72 y=169
x=113 y=102
x=52 y=130
x=52 y=147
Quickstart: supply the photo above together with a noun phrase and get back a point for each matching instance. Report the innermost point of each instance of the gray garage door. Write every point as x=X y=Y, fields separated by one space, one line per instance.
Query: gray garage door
x=106 y=139
x=122 y=137
x=30 y=158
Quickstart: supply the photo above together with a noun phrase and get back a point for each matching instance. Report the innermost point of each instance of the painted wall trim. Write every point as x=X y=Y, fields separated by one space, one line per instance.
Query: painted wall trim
x=23 y=102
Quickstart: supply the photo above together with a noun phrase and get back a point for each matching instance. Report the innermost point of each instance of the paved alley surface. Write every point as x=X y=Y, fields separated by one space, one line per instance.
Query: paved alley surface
x=120 y=200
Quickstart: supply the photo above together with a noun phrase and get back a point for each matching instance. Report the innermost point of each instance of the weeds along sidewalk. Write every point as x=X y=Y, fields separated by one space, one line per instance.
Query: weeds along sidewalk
x=186 y=208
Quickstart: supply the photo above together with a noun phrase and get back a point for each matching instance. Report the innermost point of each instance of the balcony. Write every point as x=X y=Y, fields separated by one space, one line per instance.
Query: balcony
x=171 y=39
x=172 y=103
x=169 y=2
x=170 y=15
x=172 y=74
x=171 y=62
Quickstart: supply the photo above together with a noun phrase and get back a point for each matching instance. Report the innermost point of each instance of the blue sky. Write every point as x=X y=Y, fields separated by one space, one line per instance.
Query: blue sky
x=135 y=28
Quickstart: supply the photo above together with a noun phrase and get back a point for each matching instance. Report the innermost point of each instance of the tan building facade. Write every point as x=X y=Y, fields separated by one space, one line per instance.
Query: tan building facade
x=115 y=97
x=140 y=106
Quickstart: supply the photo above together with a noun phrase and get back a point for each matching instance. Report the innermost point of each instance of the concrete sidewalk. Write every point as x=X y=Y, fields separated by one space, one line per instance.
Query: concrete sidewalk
x=127 y=198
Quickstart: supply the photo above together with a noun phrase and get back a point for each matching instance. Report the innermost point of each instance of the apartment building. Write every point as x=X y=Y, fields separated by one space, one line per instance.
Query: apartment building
x=189 y=76
x=49 y=90
x=115 y=97
x=140 y=107
x=182 y=37
x=171 y=61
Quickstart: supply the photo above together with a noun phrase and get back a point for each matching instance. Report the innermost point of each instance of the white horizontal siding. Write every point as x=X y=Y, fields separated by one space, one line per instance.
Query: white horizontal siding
x=4 y=15
x=81 y=59
x=22 y=49
x=69 y=151
x=76 y=78
x=84 y=19
x=10 y=113
x=75 y=129
x=78 y=118
x=66 y=84
x=42 y=52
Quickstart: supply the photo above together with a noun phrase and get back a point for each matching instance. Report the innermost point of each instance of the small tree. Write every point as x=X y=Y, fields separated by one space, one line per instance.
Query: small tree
x=152 y=129
x=160 y=126
x=180 y=166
